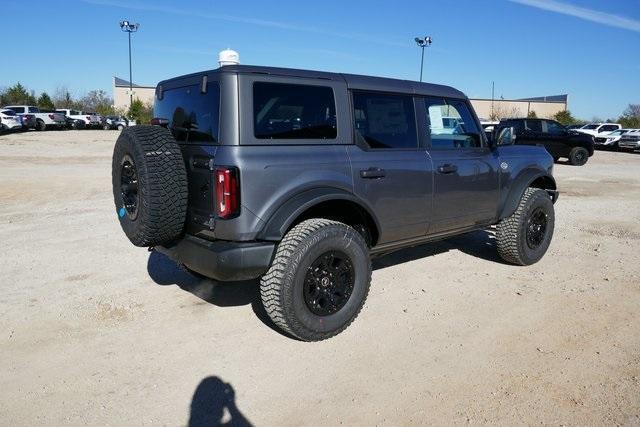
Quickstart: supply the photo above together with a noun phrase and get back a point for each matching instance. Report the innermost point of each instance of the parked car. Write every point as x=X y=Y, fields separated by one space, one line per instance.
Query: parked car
x=28 y=120
x=630 y=140
x=88 y=119
x=596 y=129
x=9 y=120
x=610 y=140
x=300 y=177
x=116 y=122
x=42 y=120
x=558 y=141
x=96 y=119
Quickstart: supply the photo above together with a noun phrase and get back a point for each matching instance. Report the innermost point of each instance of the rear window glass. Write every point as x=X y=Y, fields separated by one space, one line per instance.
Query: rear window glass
x=193 y=116
x=286 y=111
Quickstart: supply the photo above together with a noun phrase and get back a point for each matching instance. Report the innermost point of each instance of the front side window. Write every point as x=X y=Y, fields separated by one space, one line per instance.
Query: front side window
x=608 y=128
x=590 y=127
x=554 y=128
x=193 y=116
x=34 y=110
x=451 y=124
x=288 y=111
x=384 y=121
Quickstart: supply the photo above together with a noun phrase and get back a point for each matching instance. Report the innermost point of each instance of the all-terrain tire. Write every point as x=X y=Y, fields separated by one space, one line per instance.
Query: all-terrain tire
x=40 y=125
x=158 y=187
x=578 y=156
x=512 y=237
x=282 y=287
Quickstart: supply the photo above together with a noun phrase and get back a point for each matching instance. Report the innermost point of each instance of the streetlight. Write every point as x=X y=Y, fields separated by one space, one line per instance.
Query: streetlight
x=129 y=28
x=423 y=42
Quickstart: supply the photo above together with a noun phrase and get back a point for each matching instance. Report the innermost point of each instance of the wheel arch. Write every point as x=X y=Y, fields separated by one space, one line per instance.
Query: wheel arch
x=535 y=178
x=327 y=203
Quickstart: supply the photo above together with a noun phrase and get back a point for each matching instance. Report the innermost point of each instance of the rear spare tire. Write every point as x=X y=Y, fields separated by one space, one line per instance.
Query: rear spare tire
x=149 y=185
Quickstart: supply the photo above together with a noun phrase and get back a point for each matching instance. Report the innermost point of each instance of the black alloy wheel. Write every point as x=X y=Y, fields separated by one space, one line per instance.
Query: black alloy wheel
x=328 y=283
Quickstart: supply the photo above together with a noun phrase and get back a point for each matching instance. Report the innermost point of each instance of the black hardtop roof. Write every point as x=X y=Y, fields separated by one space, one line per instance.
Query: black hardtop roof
x=353 y=81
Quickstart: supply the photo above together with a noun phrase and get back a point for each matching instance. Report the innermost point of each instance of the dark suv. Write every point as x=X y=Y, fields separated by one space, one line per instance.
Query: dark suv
x=300 y=177
x=557 y=139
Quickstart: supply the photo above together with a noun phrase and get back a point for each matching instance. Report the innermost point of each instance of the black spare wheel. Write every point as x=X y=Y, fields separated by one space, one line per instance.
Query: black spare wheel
x=149 y=185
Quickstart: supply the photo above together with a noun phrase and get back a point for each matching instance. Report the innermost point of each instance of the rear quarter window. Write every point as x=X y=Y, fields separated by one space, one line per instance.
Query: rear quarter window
x=289 y=111
x=194 y=117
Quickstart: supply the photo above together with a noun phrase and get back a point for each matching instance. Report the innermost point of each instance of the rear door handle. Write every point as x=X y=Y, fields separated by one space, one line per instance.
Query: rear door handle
x=372 y=173
x=447 y=168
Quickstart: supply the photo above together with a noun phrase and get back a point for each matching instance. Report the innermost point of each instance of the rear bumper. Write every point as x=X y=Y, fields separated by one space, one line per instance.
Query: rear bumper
x=222 y=260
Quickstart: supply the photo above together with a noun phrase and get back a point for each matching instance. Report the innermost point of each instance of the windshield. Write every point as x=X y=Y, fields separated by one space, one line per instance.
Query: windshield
x=590 y=127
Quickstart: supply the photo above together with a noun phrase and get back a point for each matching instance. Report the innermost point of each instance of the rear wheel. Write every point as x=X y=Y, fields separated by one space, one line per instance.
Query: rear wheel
x=318 y=281
x=40 y=125
x=578 y=156
x=524 y=237
x=120 y=127
x=106 y=126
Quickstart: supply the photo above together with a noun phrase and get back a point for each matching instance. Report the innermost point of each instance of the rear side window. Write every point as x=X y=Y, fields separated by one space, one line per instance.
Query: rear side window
x=18 y=110
x=193 y=116
x=384 y=121
x=451 y=124
x=286 y=111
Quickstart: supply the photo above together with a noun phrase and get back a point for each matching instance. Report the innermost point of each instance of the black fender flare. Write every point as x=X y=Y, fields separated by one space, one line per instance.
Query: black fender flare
x=521 y=183
x=280 y=221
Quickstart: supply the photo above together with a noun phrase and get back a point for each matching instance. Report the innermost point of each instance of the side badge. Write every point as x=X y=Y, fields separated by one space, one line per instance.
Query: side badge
x=504 y=166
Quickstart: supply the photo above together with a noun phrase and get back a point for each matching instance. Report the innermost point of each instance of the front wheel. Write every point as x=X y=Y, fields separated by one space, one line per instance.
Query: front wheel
x=524 y=237
x=40 y=126
x=578 y=156
x=318 y=281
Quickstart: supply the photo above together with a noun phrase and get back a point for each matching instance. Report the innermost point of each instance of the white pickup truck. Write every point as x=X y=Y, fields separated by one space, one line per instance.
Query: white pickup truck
x=90 y=120
x=43 y=120
x=596 y=129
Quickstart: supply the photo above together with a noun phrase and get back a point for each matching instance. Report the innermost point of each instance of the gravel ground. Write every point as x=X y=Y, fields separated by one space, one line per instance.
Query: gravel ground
x=96 y=331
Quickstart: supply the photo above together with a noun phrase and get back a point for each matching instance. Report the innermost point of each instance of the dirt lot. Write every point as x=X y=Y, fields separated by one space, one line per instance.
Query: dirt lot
x=96 y=331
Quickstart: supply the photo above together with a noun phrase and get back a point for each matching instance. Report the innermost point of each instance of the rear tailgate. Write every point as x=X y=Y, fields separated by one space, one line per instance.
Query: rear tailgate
x=199 y=162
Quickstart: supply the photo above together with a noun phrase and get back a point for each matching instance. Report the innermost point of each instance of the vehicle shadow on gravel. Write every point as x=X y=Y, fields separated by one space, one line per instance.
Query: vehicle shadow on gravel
x=165 y=272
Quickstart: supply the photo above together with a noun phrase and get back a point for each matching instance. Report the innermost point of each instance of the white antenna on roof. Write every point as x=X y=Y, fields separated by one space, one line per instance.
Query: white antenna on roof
x=228 y=57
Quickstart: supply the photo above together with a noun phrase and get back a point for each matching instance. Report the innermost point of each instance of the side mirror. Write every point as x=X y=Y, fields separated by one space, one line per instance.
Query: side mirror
x=507 y=136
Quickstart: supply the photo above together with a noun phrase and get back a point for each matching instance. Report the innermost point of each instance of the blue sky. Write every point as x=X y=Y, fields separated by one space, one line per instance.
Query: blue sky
x=586 y=48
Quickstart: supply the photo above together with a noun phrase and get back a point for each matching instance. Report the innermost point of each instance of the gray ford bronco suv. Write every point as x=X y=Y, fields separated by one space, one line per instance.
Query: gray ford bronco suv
x=299 y=178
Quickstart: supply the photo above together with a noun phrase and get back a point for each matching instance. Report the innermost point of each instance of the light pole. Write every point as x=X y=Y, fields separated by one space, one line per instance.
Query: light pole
x=129 y=28
x=423 y=42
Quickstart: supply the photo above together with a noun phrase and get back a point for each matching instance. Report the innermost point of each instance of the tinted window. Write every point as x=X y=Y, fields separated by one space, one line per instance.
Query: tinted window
x=75 y=113
x=533 y=125
x=19 y=110
x=590 y=127
x=608 y=128
x=451 y=124
x=554 y=127
x=8 y=112
x=384 y=121
x=34 y=109
x=284 y=111
x=193 y=116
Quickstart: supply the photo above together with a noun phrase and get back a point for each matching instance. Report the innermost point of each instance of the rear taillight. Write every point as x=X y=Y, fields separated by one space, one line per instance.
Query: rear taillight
x=51 y=116
x=227 y=192
x=157 y=121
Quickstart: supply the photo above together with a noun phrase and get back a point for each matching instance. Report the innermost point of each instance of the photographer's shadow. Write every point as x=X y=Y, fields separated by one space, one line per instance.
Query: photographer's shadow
x=214 y=404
